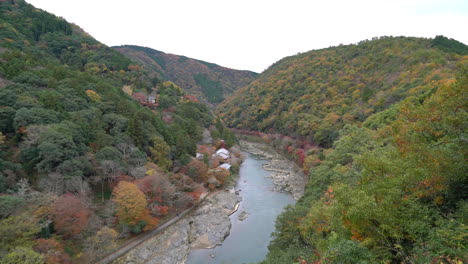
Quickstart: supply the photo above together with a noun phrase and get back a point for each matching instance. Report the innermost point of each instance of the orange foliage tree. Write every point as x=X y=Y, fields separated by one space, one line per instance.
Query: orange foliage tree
x=70 y=215
x=221 y=175
x=132 y=207
x=196 y=170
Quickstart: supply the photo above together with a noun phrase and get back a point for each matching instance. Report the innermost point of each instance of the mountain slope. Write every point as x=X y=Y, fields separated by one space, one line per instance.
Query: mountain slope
x=316 y=93
x=392 y=113
x=388 y=184
x=51 y=65
x=209 y=82
x=391 y=191
x=72 y=139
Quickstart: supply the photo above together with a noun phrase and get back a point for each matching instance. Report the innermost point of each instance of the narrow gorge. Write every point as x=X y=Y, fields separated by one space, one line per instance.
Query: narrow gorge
x=214 y=232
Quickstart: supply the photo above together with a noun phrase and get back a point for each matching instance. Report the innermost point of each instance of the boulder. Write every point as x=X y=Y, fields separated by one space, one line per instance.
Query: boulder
x=243 y=215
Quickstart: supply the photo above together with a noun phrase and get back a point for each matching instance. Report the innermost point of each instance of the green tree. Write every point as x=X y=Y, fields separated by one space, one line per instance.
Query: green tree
x=35 y=116
x=160 y=153
x=109 y=153
x=18 y=231
x=9 y=204
x=116 y=124
x=7 y=115
x=135 y=131
x=23 y=255
x=56 y=146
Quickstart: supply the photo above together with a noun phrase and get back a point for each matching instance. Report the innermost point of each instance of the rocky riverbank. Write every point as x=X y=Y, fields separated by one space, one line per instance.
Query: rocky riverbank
x=206 y=227
x=286 y=175
x=209 y=224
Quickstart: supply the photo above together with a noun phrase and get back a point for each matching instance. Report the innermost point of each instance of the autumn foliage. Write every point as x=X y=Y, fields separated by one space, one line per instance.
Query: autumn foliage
x=132 y=206
x=70 y=215
x=156 y=187
x=316 y=93
x=391 y=190
x=221 y=175
x=52 y=250
x=196 y=169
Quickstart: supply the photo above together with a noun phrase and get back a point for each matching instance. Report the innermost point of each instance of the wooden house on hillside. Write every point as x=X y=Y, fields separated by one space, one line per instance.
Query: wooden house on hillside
x=223 y=153
x=150 y=101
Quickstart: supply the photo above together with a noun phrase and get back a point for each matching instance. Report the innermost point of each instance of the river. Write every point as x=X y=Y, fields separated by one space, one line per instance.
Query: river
x=248 y=240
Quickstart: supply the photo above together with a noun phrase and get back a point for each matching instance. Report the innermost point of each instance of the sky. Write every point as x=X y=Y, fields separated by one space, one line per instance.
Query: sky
x=253 y=34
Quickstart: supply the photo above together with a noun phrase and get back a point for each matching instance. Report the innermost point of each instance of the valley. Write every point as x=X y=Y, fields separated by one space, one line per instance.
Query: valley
x=348 y=154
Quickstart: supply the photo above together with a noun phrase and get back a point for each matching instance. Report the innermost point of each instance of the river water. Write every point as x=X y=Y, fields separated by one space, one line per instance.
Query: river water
x=249 y=239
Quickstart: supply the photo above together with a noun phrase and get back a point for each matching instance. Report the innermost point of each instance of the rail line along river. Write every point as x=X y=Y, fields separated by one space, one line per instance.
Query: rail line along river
x=253 y=222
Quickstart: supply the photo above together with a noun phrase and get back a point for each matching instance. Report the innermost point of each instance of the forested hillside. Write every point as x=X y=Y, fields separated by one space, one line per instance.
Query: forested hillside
x=315 y=94
x=85 y=160
x=209 y=82
x=392 y=190
x=381 y=128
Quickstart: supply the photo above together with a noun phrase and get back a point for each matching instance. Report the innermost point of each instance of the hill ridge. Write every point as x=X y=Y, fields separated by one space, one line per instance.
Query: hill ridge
x=210 y=82
x=344 y=84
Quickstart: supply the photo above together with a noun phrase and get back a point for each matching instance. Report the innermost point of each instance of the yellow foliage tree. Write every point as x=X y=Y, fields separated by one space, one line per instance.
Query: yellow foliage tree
x=127 y=89
x=132 y=206
x=94 y=96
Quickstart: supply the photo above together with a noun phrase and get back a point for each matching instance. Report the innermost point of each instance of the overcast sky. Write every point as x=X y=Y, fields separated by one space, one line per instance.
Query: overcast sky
x=253 y=34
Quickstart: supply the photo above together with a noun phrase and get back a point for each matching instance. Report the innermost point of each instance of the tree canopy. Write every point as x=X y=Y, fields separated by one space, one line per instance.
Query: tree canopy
x=389 y=192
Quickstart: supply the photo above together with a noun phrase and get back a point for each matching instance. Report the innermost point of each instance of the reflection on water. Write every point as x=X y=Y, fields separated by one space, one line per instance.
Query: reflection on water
x=249 y=239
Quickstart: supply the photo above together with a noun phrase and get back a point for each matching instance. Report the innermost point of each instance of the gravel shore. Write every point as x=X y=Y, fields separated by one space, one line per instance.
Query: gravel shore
x=286 y=175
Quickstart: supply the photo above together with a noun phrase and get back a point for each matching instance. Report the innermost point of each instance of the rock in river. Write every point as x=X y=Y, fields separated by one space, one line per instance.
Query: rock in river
x=243 y=215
